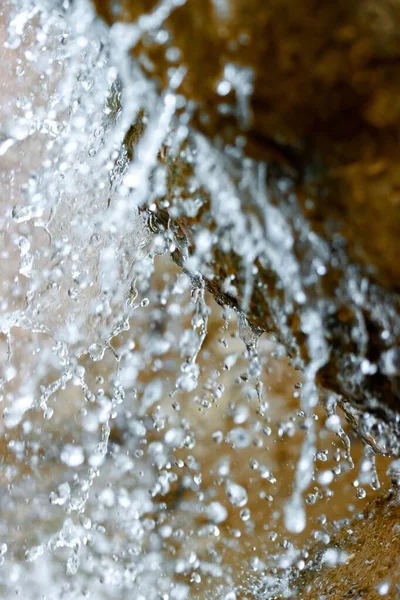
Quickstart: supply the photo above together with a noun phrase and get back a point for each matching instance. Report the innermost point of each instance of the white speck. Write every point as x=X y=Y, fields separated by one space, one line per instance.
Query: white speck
x=72 y=456
x=237 y=494
x=325 y=477
x=96 y=352
x=239 y=437
x=175 y=438
x=391 y=362
x=62 y=494
x=223 y=88
x=34 y=553
x=383 y=587
x=216 y=512
x=333 y=423
x=295 y=516
x=332 y=557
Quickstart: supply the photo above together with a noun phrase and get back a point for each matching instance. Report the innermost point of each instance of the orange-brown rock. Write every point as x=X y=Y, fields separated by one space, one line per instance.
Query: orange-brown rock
x=364 y=554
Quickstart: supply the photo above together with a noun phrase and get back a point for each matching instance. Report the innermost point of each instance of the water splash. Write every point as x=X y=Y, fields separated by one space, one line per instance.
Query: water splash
x=144 y=431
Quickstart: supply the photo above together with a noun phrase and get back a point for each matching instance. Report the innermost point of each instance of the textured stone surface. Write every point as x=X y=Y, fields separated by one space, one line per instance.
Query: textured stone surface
x=368 y=550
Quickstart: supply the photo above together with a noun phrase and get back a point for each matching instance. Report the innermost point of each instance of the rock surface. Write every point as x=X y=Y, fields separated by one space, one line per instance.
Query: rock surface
x=365 y=557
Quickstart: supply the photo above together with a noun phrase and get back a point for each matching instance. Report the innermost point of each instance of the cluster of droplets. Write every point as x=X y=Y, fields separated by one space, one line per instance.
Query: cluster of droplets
x=141 y=423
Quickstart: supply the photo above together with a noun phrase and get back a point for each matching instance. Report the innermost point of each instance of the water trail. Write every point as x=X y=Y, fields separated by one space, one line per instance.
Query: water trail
x=132 y=488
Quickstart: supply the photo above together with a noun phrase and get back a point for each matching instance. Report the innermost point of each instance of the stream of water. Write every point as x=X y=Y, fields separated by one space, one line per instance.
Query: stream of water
x=155 y=447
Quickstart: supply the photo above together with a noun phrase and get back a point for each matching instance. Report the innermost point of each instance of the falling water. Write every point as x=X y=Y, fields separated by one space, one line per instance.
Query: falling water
x=143 y=425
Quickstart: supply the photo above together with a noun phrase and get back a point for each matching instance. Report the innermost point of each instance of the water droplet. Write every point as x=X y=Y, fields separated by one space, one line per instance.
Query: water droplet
x=332 y=557
x=3 y=549
x=383 y=588
x=394 y=472
x=96 y=351
x=237 y=494
x=216 y=512
x=61 y=495
x=239 y=437
x=72 y=456
x=48 y=413
x=325 y=477
x=295 y=516
x=34 y=553
x=5 y=144
x=361 y=493
x=245 y=514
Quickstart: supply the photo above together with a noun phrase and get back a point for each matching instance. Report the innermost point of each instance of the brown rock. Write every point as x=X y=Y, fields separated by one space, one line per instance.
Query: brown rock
x=367 y=553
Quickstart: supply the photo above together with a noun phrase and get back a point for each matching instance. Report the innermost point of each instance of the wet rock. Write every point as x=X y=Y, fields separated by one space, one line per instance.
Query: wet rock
x=364 y=554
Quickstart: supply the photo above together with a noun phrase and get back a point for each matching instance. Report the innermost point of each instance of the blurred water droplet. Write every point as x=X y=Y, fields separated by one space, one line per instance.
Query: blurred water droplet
x=72 y=456
x=237 y=494
x=96 y=352
x=6 y=143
